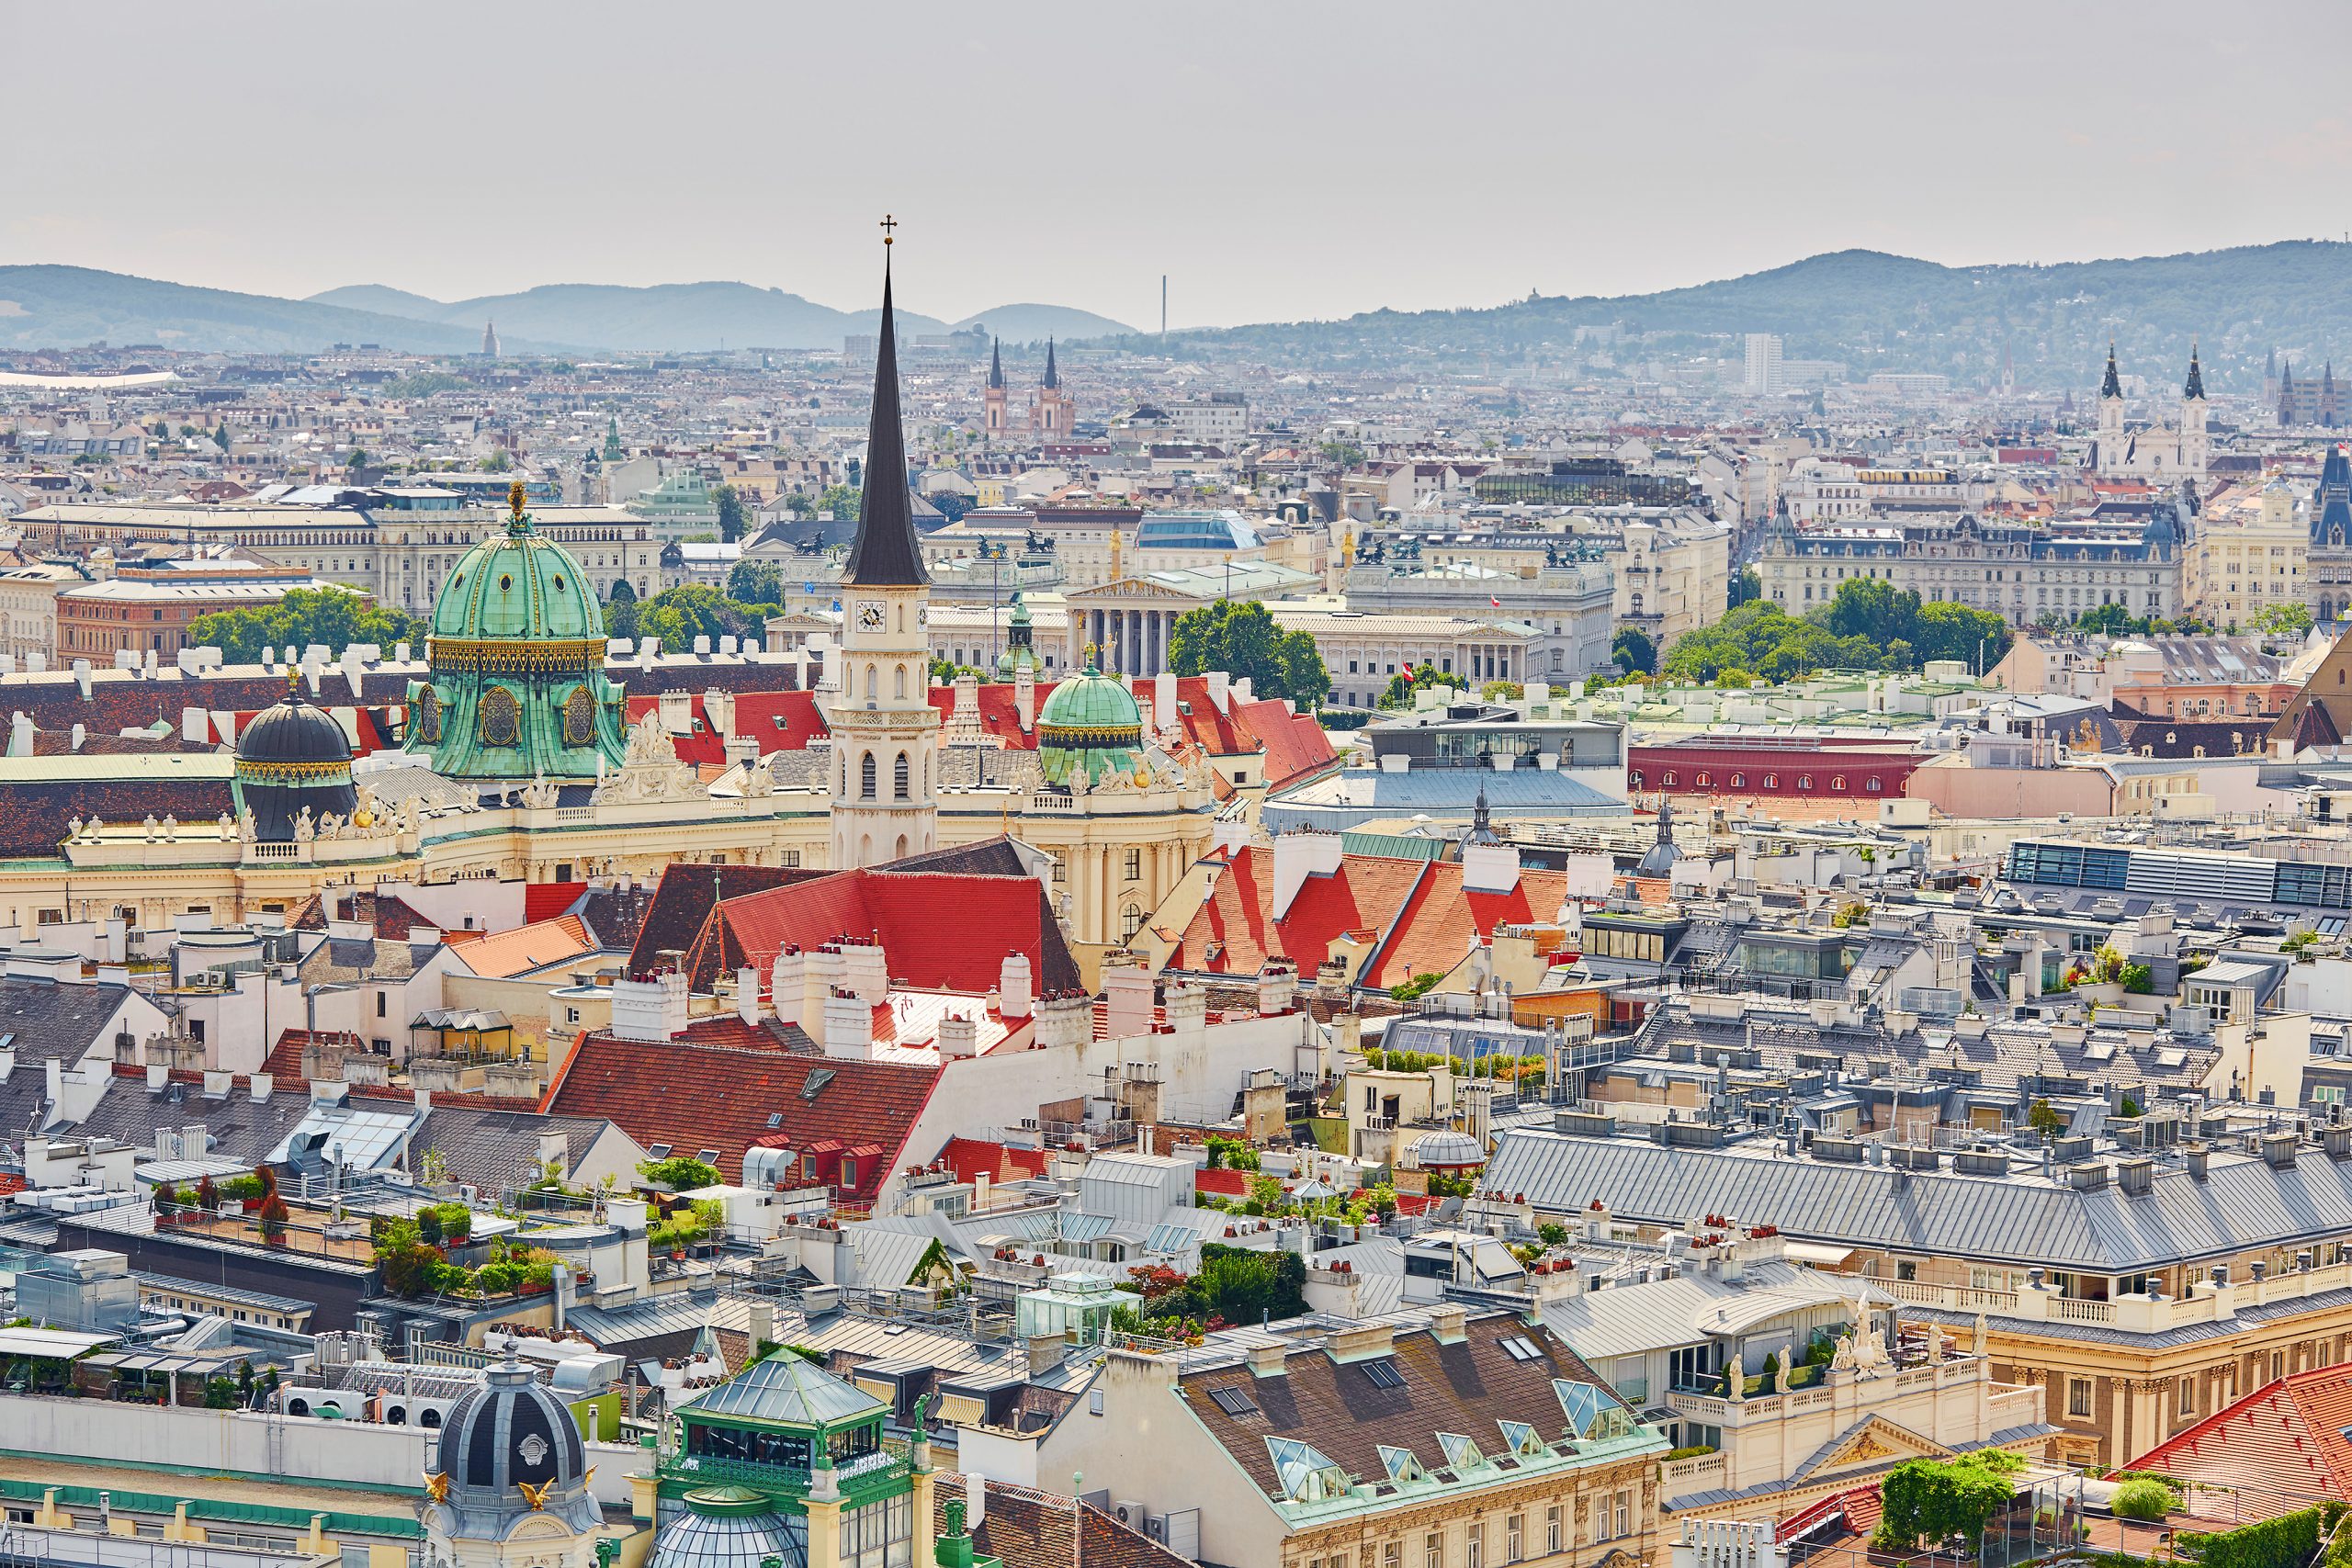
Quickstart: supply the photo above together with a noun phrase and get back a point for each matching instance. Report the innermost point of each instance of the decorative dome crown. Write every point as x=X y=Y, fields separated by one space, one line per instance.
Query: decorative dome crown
x=1447 y=1149
x=509 y=1449
x=517 y=585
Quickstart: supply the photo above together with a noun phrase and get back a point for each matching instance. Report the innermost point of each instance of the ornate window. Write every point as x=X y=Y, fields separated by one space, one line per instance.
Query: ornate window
x=429 y=714
x=578 y=717
x=502 y=717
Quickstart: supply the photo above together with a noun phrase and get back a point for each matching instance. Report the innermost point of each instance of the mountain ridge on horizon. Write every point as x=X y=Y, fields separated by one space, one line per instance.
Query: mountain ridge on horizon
x=1869 y=309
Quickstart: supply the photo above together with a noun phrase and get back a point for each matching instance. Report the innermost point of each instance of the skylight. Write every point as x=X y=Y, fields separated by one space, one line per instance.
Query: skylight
x=1383 y=1373
x=1306 y=1473
x=1234 y=1401
x=1460 y=1452
x=1593 y=1413
x=1519 y=1348
x=1521 y=1439
x=1402 y=1464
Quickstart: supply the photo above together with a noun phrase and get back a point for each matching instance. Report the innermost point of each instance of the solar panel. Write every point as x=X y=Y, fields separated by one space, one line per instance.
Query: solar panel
x=1384 y=1374
x=1234 y=1401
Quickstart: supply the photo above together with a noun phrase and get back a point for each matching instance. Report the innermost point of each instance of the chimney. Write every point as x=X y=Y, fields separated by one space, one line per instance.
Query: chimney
x=1065 y=1021
x=1025 y=697
x=959 y=1036
x=1277 y=985
x=650 y=1009
x=259 y=1085
x=784 y=988
x=1298 y=854
x=1270 y=1361
x=762 y=1324
x=821 y=969
x=1127 y=989
x=2278 y=1150
x=1164 y=716
x=1219 y=689
x=20 y=734
x=1449 y=1323
x=849 y=1024
x=866 y=970
x=1186 y=1007
x=2136 y=1176
x=1013 y=993
x=195 y=727
x=747 y=994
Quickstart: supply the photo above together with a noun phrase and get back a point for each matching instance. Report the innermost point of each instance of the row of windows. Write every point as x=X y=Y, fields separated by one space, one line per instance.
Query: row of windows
x=1672 y=778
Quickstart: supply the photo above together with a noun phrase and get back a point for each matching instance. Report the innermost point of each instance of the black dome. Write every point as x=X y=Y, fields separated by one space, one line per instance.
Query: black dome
x=510 y=1429
x=294 y=731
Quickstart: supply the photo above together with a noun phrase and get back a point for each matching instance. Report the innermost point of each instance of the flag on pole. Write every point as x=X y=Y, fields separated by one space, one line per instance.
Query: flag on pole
x=1408 y=674
x=1495 y=601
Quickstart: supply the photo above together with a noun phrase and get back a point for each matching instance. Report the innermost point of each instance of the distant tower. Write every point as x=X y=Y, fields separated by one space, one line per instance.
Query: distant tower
x=2329 y=413
x=2270 y=378
x=1049 y=410
x=992 y=419
x=2111 y=448
x=2287 y=393
x=2194 y=439
x=886 y=733
x=490 y=340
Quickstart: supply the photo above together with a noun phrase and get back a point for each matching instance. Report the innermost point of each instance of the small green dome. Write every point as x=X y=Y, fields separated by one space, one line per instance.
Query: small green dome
x=517 y=585
x=1091 y=702
x=1090 y=728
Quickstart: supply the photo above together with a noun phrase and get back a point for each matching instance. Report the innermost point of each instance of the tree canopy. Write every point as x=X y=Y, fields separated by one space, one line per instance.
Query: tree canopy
x=678 y=615
x=332 y=617
x=1403 y=684
x=1938 y=1500
x=730 y=512
x=1243 y=640
x=1871 y=625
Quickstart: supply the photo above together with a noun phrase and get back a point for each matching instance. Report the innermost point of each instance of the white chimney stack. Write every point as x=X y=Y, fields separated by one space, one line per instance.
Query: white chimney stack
x=747 y=994
x=1015 y=997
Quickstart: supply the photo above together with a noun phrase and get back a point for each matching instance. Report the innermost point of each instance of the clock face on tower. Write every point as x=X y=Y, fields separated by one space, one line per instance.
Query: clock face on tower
x=923 y=615
x=869 y=613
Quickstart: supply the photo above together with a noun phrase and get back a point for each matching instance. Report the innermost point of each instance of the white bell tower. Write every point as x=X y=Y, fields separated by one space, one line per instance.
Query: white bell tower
x=886 y=733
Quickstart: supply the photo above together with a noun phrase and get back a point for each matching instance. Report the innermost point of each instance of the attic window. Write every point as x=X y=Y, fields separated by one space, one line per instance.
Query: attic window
x=776 y=1119
x=1384 y=1374
x=818 y=1079
x=708 y=1157
x=1519 y=1348
x=659 y=1151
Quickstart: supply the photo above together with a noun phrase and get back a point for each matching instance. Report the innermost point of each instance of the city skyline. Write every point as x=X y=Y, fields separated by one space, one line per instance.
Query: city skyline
x=1035 y=158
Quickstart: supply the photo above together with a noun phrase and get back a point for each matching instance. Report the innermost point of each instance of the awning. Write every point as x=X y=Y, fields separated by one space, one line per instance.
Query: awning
x=1819 y=1254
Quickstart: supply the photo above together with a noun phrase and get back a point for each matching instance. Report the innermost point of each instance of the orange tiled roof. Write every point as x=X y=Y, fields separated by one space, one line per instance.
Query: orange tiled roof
x=2279 y=1448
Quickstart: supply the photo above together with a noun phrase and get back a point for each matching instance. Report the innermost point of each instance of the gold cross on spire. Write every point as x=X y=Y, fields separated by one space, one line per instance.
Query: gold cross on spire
x=888 y=223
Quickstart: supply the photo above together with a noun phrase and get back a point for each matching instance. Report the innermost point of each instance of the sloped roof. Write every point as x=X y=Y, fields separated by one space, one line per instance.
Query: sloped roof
x=2275 y=1450
x=685 y=896
x=1366 y=895
x=718 y=1086
x=927 y=922
x=789 y=1388
x=1436 y=929
x=509 y=953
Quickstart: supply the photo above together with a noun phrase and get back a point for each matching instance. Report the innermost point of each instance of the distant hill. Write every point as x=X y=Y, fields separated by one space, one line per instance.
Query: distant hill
x=1035 y=323
x=682 y=318
x=66 y=307
x=1875 y=311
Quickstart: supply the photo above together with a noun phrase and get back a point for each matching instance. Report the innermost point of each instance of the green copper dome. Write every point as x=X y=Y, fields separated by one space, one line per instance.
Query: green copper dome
x=517 y=585
x=1089 y=724
x=517 y=655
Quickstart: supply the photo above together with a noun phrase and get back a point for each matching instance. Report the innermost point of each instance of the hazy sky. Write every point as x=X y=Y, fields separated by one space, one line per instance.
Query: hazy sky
x=1278 y=160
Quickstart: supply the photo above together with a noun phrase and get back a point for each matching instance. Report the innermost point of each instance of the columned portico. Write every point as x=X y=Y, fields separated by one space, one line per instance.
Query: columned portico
x=1129 y=637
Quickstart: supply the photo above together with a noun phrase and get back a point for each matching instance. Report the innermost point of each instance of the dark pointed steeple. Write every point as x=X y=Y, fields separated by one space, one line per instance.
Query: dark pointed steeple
x=996 y=364
x=2113 y=386
x=1053 y=376
x=2196 y=386
x=885 y=554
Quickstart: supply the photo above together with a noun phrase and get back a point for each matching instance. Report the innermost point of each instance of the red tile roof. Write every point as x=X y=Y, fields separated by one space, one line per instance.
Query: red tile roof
x=1434 y=934
x=973 y=1158
x=1367 y=893
x=685 y=896
x=545 y=900
x=2277 y=1449
x=999 y=715
x=1295 y=747
x=928 y=923
x=716 y=1086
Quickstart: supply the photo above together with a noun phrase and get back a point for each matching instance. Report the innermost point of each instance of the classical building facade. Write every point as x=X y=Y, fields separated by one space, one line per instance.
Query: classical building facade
x=2246 y=561
x=2024 y=572
x=2162 y=453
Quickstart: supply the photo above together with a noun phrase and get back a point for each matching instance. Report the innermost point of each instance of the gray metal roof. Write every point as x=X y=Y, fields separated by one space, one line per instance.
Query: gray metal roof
x=2243 y=1203
x=791 y=1389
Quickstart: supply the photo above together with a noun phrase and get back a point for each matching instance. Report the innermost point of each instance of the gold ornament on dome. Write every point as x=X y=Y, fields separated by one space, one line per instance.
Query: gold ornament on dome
x=502 y=717
x=495 y=656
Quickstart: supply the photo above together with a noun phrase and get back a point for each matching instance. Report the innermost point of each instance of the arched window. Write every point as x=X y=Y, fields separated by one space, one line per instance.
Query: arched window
x=1669 y=780
x=901 y=684
x=872 y=687
x=900 y=855
x=900 y=776
x=866 y=777
x=1804 y=781
x=1871 y=787
x=1739 y=781
x=1703 y=781
x=1130 y=922
x=1837 y=783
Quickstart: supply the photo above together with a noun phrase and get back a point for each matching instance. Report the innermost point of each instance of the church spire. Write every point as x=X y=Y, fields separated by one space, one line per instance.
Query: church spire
x=885 y=554
x=1053 y=376
x=996 y=364
x=2113 y=386
x=2196 y=387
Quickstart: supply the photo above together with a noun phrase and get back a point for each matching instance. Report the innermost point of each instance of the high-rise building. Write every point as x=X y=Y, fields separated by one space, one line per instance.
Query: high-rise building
x=1764 y=379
